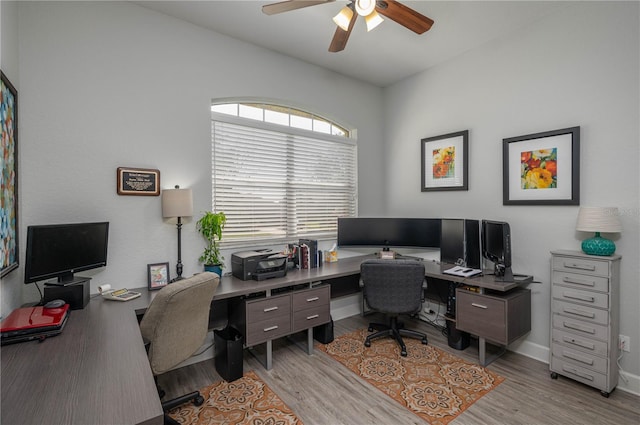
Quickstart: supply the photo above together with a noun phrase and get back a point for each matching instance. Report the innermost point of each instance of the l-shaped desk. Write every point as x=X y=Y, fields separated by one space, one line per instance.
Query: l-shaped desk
x=97 y=371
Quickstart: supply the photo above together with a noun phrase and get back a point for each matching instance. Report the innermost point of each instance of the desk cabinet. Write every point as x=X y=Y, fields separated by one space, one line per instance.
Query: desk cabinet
x=500 y=318
x=584 y=318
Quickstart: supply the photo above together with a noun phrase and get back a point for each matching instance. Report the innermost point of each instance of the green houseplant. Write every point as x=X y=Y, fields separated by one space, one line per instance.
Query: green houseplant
x=210 y=226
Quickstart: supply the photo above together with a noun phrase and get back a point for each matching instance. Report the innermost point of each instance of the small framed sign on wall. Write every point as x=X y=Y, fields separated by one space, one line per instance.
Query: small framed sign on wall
x=138 y=181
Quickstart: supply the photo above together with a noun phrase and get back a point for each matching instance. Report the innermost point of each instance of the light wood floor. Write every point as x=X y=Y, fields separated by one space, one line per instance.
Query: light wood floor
x=323 y=392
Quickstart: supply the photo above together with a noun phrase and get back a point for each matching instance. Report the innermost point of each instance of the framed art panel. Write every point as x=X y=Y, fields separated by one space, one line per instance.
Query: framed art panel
x=9 y=179
x=542 y=168
x=445 y=162
x=158 y=275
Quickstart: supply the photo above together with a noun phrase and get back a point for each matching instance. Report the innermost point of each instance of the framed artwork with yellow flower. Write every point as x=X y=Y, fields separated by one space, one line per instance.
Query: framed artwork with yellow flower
x=542 y=168
x=445 y=162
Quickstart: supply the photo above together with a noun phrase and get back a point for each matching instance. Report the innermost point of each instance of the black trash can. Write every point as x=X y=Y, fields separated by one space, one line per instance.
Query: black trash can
x=228 y=353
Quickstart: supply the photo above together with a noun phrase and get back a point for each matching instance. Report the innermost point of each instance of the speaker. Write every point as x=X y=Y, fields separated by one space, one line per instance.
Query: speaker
x=460 y=240
x=456 y=339
x=76 y=295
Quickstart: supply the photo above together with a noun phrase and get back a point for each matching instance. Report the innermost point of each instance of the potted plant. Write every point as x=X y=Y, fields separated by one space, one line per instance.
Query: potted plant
x=210 y=226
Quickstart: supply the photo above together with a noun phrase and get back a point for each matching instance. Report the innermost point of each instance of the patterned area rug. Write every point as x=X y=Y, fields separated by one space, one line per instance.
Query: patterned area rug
x=247 y=400
x=432 y=383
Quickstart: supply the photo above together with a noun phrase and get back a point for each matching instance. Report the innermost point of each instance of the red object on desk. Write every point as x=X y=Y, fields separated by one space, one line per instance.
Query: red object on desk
x=29 y=320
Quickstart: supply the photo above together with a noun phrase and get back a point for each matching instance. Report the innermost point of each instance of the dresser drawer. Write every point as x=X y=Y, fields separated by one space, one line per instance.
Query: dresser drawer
x=265 y=308
x=587 y=345
x=588 y=360
x=270 y=328
x=594 y=299
x=581 y=281
x=580 y=374
x=580 y=312
x=581 y=327
x=310 y=298
x=311 y=317
x=581 y=265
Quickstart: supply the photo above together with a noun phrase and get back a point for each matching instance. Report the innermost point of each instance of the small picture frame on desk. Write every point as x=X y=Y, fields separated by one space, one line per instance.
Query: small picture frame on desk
x=158 y=275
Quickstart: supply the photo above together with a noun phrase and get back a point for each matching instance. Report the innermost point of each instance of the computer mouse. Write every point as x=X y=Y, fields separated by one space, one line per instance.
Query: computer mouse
x=55 y=304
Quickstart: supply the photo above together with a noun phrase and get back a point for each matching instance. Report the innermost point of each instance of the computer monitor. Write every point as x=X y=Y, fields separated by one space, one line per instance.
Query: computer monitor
x=386 y=232
x=60 y=250
x=496 y=247
x=460 y=242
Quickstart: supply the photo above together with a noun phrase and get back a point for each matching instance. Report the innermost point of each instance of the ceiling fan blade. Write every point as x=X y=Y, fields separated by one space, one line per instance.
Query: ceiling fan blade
x=285 y=6
x=404 y=15
x=340 y=38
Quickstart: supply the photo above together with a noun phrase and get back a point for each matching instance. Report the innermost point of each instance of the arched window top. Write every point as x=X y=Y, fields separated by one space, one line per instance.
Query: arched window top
x=281 y=115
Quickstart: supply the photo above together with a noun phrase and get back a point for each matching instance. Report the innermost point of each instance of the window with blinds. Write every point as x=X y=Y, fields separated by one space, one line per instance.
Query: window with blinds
x=276 y=183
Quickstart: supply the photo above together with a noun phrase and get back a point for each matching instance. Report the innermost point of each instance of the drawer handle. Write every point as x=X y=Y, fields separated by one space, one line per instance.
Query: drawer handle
x=577 y=358
x=313 y=317
x=580 y=266
x=272 y=328
x=266 y=310
x=573 y=296
x=579 y=328
x=479 y=305
x=590 y=283
x=578 y=343
x=575 y=372
x=312 y=299
x=580 y=313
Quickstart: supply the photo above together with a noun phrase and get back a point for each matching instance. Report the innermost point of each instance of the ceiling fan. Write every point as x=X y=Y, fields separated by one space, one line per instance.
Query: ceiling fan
x=369 y=9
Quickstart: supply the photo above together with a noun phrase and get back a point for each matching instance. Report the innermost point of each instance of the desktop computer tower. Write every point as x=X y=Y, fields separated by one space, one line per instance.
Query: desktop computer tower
x=460 y=240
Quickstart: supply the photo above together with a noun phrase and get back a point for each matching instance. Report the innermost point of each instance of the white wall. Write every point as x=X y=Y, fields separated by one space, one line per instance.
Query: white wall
x=109 y=84
x=579 y=67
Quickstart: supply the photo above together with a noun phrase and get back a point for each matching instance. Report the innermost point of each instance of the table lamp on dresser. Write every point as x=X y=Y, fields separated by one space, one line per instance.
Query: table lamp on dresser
x=598 y=219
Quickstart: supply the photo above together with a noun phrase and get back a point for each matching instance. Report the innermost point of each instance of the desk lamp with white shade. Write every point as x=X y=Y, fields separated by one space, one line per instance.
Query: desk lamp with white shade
x=598 y=219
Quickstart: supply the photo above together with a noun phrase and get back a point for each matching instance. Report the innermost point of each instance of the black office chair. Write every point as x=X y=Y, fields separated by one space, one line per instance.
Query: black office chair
x=175 y=326
x=393 y=287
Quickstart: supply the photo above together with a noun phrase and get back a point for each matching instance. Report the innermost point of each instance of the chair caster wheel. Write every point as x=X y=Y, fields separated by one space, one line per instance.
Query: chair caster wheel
x=403 y=353
x=367 y=343
x=198 y=401
x=554 y=375
x=424 y=341
x=370 y=329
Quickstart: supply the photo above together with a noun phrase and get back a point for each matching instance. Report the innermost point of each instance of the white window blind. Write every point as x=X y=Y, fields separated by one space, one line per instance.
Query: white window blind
x=277 y=185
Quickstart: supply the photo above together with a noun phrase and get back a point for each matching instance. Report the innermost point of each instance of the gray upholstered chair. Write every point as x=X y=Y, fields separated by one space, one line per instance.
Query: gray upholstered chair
x=175 y=326
x=393 y=287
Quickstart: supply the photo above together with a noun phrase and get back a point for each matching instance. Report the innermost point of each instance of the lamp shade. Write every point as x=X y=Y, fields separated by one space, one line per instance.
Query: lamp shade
x=599 y=219
x=177 y=203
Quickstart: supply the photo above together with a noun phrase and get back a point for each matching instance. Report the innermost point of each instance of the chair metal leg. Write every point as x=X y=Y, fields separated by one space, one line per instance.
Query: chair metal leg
x=395 y=330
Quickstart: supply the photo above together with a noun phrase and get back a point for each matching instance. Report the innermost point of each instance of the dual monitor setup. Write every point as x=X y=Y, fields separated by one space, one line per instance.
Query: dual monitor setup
x=461 y=241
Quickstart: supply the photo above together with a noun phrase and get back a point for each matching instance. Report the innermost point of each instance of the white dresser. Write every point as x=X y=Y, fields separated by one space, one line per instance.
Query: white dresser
x=584 y=318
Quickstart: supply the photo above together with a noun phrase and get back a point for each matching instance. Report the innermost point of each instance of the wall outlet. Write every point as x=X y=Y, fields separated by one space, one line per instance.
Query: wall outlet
x=624 y=343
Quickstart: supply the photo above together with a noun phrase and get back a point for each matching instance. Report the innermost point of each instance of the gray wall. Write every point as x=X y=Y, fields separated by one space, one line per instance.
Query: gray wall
x=579 y=67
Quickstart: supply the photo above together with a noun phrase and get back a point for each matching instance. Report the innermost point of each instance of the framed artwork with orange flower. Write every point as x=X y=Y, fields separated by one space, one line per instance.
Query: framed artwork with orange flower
x=445 y=162
x=542 y=168
x=158 y=275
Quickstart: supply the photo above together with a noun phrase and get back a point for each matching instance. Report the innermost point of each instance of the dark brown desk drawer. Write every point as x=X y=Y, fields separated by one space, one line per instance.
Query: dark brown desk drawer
x=271 y=328
x=265 y=308
x=310 y=298
x=310 y=317
x=499 y=318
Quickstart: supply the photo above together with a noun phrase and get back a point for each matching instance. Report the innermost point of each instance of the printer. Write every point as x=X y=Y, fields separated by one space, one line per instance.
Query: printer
x=258 y=265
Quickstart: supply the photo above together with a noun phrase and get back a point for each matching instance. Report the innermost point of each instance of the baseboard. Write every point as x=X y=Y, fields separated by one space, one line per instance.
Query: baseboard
x=627 y=382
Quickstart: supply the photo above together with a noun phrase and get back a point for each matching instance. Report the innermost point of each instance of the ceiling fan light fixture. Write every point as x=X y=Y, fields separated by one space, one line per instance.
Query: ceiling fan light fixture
x=373 y=20
x=343 y=18
x=365 y=7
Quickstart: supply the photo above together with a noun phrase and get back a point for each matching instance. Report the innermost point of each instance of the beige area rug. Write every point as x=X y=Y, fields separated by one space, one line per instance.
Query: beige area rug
x=433 y=384
x=247 y=400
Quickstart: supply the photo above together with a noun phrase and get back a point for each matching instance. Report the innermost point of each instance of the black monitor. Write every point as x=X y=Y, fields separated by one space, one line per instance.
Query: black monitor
x=460 y=242
x=496 y=247
x=60 y=250
x=388 y=232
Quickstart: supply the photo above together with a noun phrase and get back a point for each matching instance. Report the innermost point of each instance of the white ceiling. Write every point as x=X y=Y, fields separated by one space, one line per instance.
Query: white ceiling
x=381 y=57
